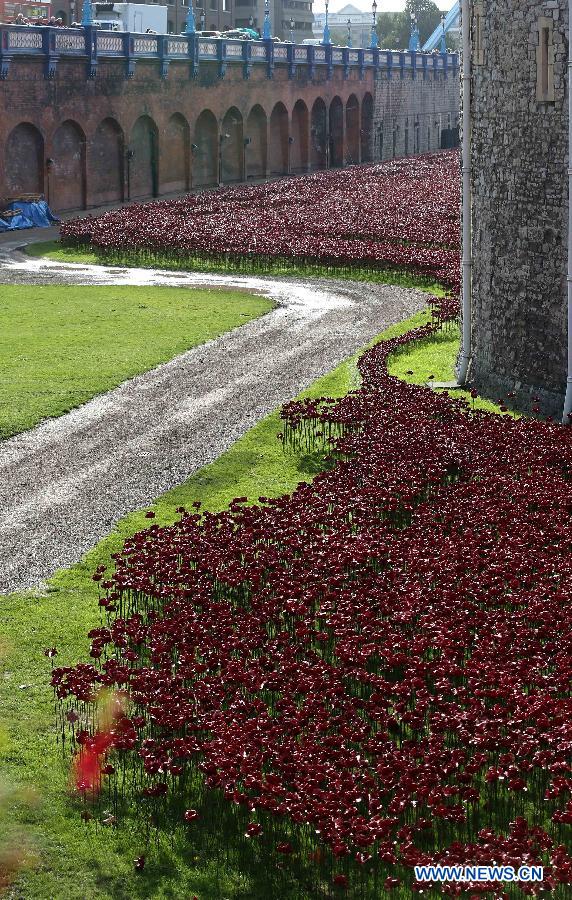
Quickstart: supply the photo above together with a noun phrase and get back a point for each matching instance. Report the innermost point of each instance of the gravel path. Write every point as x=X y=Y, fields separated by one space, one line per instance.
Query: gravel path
x=65 y=483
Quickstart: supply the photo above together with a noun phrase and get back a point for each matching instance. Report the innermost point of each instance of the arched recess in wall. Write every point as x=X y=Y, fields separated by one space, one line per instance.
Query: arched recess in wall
x=319 y=135
x=205 y=150
x=336 y=123
x=279 y=140
x=256 y=146
x=300 y=137
x=106 y=163
x=232 y=147
x=353 y=144
x=366 y=131
x=142 y=161
x=175 y=155
x=67 y=173
x=24 y=161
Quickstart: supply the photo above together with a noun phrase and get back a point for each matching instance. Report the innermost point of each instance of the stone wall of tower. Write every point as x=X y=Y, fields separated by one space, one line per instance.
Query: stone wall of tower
x=520 y=198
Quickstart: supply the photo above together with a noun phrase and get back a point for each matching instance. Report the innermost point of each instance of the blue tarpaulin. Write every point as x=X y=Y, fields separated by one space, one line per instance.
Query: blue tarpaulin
x=31 y=215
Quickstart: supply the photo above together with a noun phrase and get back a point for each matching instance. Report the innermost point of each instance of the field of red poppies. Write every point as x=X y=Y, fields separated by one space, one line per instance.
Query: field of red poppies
x=400 y=214
x=369 y=674
x=372 y=672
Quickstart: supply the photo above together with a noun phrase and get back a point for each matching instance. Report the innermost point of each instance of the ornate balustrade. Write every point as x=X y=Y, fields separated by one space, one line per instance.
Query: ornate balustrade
x=92 y=44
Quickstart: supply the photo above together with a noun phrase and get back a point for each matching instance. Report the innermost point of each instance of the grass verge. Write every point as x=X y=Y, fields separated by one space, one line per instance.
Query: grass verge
x=280 y=267
x=68 y=859
x=61 y=345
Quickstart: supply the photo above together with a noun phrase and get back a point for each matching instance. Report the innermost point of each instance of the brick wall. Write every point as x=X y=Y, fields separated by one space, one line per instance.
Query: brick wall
x=85 y=142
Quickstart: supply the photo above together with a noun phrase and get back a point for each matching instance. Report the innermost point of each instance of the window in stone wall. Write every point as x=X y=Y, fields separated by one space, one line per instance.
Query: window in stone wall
x=478 y=25
x=545 y=62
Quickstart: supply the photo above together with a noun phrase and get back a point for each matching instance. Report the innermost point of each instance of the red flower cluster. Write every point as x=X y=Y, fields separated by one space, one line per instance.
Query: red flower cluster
x=403 y=213
x=383 y=658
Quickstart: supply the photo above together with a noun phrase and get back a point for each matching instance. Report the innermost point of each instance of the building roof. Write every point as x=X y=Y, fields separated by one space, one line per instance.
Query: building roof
x=349 y=10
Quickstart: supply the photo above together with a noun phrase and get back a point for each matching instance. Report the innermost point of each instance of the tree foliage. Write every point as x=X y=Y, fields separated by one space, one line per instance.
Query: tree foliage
x=393 y=29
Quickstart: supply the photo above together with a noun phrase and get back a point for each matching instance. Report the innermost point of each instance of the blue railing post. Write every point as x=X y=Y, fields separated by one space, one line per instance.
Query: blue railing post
x=269 y=44
x=49 y=51
x=221 y=57
x=91 y=50
x=163 y=48
x=129 y=54
x=5 y=54
x=246 y=59
x=291 y=55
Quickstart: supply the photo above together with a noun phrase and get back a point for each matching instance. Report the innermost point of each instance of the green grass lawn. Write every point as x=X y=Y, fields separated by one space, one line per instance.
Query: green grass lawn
x=69 y=859
x=54 y=250
x=62 y=345
x=435 y=357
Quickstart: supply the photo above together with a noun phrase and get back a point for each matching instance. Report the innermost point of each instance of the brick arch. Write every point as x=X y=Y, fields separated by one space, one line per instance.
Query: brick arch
x=143 y=163
x=205 y=149
x=68 y=173
x=319 y=135
x=352 y=130
x=232 y=146
x=366 y=128
x=175 y=162
x=336 y=132
x=24 y=160
x=278 y=162
x=257 y=148
x=300 y=138
x=106 y=163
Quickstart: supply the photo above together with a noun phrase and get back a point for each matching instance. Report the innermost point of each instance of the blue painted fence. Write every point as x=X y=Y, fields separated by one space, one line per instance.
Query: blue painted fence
x=93 y=44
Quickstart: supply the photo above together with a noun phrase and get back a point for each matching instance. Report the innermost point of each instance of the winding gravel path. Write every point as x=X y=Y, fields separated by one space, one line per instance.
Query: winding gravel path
x=65 y=483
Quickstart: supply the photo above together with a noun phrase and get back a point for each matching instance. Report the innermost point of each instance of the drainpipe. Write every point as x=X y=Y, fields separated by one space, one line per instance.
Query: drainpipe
x=568 y=398
x=467 y=263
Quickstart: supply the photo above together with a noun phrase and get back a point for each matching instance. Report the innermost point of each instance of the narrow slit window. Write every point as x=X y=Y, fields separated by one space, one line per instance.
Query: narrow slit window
x=545 y=62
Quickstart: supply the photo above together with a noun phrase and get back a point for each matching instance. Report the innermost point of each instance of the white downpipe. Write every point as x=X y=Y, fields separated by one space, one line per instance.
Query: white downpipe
x=467 y=262
x=568 y=398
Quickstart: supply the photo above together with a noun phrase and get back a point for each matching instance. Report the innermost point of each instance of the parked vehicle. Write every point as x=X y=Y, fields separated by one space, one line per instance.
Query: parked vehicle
x=242 y=34
x=205 y=34
x=134 y=17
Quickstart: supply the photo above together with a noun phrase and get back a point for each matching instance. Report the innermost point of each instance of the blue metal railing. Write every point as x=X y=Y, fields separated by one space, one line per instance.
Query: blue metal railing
x=93 y=44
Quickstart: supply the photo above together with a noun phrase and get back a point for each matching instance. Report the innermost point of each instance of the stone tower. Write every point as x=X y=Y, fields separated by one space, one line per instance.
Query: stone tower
x=520 y=198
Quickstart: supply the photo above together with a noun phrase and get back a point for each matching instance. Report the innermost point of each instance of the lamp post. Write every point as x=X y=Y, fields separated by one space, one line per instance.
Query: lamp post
x=202 y=20
x=87 y=14
x=349 y=32
x=414 y=36
x=374 y=42
x=326 y=39
x=267 y=31
x=291 y=30
x=190 y=27
x=443 y=43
